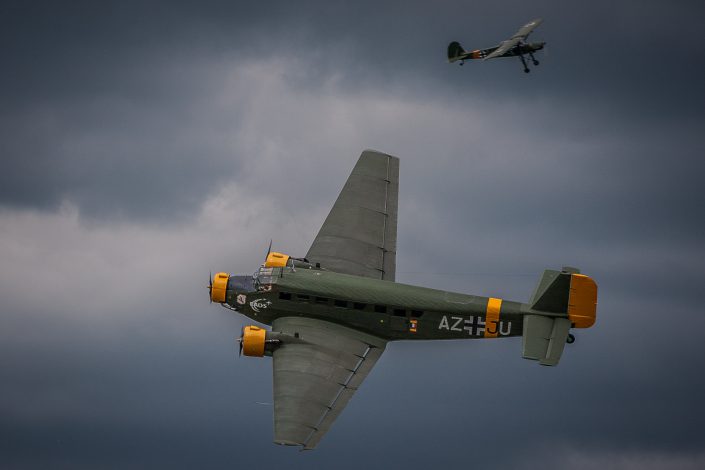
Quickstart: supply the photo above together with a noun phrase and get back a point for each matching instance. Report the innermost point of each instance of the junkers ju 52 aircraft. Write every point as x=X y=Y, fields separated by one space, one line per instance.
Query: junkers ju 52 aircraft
x=514 y=46
x=333 y=311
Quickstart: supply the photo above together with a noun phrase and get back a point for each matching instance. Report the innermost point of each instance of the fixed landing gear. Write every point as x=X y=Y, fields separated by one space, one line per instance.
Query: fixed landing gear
x=570 y=339
x=526 y=69
x=533 y=59
x=523 y=61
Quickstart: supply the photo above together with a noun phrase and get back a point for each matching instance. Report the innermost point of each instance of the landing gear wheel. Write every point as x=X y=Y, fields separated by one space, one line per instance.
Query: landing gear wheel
x=536 y=62
x=523 y=62
x=570 y=339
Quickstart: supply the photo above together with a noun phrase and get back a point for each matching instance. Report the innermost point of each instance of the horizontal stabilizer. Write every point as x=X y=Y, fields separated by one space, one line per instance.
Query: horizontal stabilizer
x=544 y=338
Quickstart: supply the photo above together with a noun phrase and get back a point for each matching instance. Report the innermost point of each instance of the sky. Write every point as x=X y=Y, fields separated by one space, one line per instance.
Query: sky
x=146 y=144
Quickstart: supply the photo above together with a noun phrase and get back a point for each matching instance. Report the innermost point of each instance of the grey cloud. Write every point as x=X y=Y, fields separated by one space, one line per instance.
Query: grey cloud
x=131 y=90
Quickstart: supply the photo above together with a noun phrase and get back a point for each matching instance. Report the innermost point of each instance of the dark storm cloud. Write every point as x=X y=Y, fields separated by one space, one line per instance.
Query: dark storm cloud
x=240 y=122
x=99 y=94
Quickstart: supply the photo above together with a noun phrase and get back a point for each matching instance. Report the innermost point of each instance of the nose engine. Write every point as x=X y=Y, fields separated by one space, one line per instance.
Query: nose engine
x=218 y=287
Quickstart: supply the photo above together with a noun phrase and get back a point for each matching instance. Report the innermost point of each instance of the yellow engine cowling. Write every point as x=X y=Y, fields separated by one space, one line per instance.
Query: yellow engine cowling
x=219 y=287
x=276 y=260
x=253 y=341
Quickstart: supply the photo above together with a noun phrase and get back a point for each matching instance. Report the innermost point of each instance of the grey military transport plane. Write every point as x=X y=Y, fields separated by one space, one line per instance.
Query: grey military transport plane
x=333 y=311
x=512 y=47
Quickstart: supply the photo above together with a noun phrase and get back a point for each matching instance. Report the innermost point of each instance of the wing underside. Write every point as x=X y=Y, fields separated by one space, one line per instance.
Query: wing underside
x=359 y=236
x=315 y=376
x=504 y=47
x=518 y=37
x=525 y=30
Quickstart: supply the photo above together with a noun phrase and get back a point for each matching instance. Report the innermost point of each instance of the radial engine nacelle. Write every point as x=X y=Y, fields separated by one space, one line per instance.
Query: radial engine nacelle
x=281 y=260
x=256 y=341
x=219 y=287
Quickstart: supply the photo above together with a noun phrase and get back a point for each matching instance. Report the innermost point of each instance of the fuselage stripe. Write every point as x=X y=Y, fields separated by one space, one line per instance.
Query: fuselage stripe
x=492 y=317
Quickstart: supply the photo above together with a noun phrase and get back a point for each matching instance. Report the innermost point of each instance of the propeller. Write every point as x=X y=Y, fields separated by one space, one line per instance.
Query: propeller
x=544 y=49
x=269 y=250
x=239 y=340
x=210 y=286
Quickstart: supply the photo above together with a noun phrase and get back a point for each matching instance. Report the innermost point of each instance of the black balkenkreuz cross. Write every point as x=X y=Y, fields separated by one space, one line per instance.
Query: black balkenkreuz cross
x=475 y=326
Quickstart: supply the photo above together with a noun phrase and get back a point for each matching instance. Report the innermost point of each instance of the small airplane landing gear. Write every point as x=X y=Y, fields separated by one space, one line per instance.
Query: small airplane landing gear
x=526 y=68
x=570 y=339
x=533 y=59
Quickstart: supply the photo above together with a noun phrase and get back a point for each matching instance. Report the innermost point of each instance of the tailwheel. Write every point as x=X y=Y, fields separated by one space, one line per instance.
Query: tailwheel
x=526 y=70
x=570 y=339
x=536 y=62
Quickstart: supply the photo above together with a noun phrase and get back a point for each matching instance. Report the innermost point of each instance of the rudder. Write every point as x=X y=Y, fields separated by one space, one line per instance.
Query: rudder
x=562 y=300
x=455 y=51
x=567 y=292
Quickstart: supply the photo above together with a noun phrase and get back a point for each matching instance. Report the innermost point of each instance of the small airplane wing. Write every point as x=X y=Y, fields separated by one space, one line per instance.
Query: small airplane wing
x=518 y=37
x=359 y=236
x=315 y=377
x=525 y=30
x=504 y=47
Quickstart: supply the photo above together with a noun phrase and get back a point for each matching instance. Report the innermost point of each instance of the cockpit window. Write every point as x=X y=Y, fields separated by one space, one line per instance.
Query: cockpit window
x=262 y=279
x=242 y=283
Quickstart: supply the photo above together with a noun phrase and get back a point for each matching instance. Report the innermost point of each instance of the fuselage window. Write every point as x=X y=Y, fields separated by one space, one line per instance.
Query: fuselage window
x=416 y=313
x=321 y=300
x=381 y=308
x=399 y=312
x=359 y=306
x=285 y=296
x=302 y=297
x=340 y=303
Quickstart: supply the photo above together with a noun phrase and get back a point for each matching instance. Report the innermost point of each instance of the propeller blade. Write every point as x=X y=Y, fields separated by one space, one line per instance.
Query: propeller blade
x=242 y=335
x=269 y=250
x=210 y=286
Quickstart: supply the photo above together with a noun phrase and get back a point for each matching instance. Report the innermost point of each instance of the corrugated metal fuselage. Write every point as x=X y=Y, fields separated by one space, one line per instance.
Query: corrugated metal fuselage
x=389 y=310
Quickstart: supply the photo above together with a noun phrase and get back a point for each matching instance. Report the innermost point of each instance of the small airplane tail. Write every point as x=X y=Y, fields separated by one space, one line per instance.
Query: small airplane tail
x=562 y=300
x=455 y=51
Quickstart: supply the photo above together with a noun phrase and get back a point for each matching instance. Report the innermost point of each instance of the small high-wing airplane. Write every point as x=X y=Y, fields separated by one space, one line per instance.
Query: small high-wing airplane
x=514 y=46
x=333 y=311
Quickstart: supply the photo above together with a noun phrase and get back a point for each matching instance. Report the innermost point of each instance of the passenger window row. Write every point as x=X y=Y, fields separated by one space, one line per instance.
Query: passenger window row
x=397 y=312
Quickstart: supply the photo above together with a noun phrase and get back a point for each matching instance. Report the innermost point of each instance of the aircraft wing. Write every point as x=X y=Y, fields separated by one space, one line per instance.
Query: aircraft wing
x=518 y=37
x=359 y=236
x=504 y=47
x=315 y=375
x=525 y=30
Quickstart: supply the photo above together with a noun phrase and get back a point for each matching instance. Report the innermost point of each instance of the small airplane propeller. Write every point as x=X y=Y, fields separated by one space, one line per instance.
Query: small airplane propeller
x=210 y=286
x=269 y=250
x=239 y=340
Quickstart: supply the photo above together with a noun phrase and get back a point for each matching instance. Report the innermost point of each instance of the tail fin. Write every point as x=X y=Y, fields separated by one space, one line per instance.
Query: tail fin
x=562 y=300
x=567 y=292
x=455 y=51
